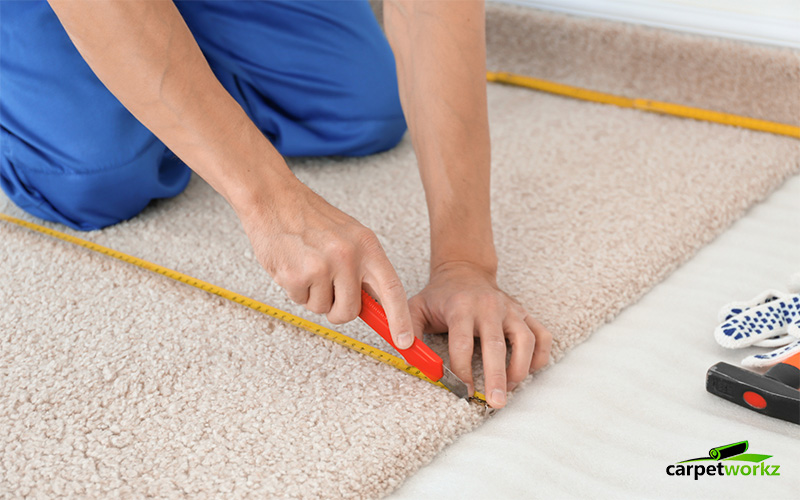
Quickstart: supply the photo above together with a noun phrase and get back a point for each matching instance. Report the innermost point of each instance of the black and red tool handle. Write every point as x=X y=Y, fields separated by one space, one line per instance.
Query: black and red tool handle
x=774 y=394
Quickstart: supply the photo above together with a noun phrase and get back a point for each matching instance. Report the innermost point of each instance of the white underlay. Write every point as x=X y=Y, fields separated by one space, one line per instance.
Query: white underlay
x=772 y=22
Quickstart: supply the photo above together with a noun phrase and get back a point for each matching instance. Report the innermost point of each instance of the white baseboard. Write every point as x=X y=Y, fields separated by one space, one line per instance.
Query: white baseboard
x=783 y=31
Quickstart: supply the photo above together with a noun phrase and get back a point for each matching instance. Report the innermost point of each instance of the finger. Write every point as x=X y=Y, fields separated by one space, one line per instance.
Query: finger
x=461 y=345
x=320 y=297
x=772 y=358
x=346 y=299
x=493 y=345
x=383 y=278
x=522 y=348
x=419 y=320
x=732 y=309
x=752 y=325
x=543 y=343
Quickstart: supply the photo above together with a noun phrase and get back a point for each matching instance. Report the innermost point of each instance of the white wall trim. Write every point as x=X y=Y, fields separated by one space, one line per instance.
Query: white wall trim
x=705 y=21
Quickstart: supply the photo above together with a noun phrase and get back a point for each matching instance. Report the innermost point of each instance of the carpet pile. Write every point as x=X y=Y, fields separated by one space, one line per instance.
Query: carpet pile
x=115 y=381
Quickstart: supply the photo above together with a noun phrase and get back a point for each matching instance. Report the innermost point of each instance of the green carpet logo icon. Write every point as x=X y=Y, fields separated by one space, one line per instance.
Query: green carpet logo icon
x=734 y=452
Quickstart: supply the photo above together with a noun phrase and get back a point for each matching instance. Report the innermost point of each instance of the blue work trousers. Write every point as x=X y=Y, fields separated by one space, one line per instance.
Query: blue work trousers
x=316 y=77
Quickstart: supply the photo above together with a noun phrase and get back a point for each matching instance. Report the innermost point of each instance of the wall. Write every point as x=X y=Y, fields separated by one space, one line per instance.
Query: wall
x=772 y=22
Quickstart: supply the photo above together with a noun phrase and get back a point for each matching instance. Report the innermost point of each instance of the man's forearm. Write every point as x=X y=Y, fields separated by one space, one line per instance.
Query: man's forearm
x=146 y=56
x=440 y=51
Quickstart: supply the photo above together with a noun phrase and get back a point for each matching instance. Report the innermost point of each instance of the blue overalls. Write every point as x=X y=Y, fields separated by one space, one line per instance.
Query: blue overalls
x=318 y=78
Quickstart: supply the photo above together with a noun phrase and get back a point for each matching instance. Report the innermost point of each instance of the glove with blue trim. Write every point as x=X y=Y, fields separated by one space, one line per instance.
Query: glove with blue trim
x=771 y=319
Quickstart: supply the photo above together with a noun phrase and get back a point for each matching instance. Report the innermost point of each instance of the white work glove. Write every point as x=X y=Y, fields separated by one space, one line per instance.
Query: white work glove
x=771 y=319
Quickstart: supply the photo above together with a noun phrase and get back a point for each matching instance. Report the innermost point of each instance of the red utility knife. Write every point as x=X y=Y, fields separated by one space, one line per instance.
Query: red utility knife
x=418 y=355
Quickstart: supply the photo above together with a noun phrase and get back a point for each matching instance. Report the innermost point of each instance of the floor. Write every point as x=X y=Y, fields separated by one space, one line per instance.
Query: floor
x=115 y=381
x=771 y=22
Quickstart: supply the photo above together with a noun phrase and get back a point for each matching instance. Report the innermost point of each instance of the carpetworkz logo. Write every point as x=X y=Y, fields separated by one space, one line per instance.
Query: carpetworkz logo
x=730 y=454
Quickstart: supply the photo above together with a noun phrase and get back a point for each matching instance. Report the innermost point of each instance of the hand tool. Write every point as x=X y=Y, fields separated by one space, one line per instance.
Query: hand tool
x=419 y=354
x=774 y=394
x=309 y=326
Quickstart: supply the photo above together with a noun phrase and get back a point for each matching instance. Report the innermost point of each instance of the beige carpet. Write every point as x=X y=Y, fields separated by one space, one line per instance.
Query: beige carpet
x=117 y=382
x=619 y=58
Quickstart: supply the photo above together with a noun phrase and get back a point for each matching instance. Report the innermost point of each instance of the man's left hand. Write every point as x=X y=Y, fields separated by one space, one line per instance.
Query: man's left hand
x=464 y=300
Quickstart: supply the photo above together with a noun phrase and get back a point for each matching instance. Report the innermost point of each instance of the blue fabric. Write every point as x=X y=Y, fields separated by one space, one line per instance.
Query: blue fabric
x=318 y=78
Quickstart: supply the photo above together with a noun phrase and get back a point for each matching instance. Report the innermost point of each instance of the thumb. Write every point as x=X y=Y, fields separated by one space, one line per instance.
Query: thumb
x=392 y=296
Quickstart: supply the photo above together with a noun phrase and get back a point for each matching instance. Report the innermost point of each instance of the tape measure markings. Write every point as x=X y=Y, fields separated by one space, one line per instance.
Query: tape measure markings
x=665 y=108
x=339 y=338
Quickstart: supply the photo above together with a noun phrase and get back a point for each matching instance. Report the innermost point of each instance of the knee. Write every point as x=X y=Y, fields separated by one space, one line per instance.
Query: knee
x=368 y=121
x=352 y=108
x=378 y=118
x=346 y=135
x=89 y=199
x=374 y=136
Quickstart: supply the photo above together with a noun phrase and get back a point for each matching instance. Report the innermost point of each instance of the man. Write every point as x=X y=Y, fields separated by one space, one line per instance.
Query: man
x=100 y=99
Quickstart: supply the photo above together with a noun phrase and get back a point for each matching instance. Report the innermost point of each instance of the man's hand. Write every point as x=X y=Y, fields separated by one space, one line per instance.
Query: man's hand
x=323 y=257
x=319 y=254
x=464 y=300
x=441 y=66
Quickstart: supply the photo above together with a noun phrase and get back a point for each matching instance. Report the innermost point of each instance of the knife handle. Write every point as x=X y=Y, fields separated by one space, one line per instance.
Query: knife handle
x=418 y=355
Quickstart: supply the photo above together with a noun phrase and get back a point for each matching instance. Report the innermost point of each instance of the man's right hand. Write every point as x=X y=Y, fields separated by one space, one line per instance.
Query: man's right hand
x=323 y=257
x=320 y=255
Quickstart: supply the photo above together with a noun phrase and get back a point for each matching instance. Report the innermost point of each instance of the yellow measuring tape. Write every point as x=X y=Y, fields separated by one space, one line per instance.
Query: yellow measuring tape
x=341 y=339
x=664 y=108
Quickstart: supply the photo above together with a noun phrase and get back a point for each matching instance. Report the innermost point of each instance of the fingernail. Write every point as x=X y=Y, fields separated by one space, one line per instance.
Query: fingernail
x=404 y=340
x=498 y=397
x=511 y=386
